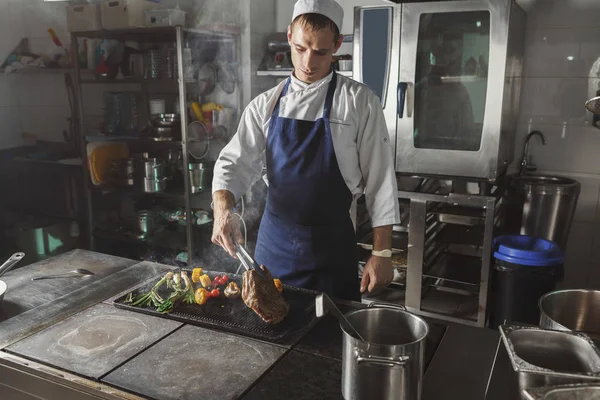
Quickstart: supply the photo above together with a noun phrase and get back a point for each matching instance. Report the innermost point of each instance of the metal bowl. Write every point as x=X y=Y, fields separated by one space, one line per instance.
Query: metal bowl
x=165 y=120
x=571 y=310
x=165 y=132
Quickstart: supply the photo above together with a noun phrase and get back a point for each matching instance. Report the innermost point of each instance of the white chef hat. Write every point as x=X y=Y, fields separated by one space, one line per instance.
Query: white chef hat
x=329 y=8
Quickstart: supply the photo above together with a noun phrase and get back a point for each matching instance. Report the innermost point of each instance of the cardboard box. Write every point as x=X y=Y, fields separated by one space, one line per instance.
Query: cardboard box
x=83 y=17
x=118 y=14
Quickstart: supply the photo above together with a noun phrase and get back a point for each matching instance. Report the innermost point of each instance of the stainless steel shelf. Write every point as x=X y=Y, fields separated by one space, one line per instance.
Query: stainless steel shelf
x=462 y=235
x=455 y=268
x=458 y=215
x=120 y=138
x=132 y=81
x=438 y=304
x=215 y=33
x=33 y=70
x=174 y=240
x=154 y=34
x=126 y=191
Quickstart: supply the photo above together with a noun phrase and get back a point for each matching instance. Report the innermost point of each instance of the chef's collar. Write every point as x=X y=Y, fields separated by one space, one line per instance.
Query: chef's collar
x=299 y=85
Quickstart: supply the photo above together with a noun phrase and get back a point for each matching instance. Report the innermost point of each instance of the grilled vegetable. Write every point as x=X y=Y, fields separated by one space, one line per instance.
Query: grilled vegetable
x=168 y=305
x=152 y=297
x=205 y=281
x=188 y=296
x=201 y=296
x=232 y=291
x=215 y=293
x=278 y=285
x=196 y=273
x=220 y=280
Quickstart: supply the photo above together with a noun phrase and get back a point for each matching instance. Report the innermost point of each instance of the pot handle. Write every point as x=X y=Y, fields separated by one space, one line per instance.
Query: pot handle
x=402 y=361
x=386 y=305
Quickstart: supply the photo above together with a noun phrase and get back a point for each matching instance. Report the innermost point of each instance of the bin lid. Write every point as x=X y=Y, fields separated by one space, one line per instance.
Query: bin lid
x=528 y=251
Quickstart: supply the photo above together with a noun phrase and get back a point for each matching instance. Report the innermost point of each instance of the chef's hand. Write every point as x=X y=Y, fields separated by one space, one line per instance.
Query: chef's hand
x=377 y=273
x=226 y=223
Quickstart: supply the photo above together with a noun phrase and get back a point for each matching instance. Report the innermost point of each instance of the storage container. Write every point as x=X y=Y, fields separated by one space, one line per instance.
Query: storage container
x=171 y=17
x=83 y=17
x=117 y=14
x=525 y=269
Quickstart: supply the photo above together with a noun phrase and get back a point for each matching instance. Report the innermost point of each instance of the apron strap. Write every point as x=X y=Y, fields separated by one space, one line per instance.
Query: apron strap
x=329 y=98
x=275 y=113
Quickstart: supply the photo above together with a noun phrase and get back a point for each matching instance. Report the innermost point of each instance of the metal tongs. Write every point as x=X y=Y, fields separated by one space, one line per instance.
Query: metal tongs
x=246 y=259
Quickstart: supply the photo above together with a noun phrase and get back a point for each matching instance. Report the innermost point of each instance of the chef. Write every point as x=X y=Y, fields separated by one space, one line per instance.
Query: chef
x=323 y=140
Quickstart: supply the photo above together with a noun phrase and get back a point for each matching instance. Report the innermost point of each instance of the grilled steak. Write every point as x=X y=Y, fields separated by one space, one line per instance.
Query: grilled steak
x=261 y=295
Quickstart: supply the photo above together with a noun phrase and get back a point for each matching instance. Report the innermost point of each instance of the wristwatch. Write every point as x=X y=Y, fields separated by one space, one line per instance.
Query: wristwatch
x=387 y=253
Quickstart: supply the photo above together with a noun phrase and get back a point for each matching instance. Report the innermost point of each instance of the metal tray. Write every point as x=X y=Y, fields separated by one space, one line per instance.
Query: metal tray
x=460 y=215
x=567 y=392
x=232 y=315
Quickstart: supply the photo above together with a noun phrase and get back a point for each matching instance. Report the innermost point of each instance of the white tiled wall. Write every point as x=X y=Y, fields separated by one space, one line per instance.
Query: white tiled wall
x=36 y=104
x=562 y=46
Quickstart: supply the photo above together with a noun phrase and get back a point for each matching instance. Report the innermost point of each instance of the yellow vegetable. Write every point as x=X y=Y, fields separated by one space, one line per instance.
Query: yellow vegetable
x=196 y=272
x=212 y=106
x=201 y=296
x=278 y=285
x=197 y=111
x=205 y=281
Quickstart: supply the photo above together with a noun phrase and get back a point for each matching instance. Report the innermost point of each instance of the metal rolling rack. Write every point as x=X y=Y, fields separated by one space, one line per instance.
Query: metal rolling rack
x=153 y=35
x=449 y=250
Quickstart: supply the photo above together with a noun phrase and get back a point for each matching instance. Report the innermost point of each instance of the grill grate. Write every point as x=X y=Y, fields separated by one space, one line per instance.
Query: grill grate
x=233 y=315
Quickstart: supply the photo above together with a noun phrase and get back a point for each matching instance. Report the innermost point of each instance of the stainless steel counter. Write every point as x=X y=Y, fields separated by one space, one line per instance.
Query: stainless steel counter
x=460 y=368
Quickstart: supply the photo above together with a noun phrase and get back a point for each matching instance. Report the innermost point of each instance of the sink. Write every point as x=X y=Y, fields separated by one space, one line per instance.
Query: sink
x=542 y=206
x=541 y=180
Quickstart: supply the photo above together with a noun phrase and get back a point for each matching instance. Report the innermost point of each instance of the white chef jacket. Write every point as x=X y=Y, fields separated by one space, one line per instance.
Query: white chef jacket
x=358 y=129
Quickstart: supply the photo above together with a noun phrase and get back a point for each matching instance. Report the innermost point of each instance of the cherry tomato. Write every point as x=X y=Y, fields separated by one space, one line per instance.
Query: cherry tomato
x=215 y=293
x=224 y=280
x=216 y=282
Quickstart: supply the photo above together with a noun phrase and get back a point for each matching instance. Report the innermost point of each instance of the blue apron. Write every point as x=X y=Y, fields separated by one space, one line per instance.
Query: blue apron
x=306 y=237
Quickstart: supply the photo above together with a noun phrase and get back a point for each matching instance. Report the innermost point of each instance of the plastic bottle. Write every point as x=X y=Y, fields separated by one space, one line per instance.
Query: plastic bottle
x=188 y=67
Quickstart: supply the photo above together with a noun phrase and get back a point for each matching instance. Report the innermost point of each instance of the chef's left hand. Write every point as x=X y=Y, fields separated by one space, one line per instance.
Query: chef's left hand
x=377 y=273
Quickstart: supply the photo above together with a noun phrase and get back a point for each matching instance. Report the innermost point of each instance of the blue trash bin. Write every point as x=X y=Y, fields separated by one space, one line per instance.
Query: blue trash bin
x=525 y=268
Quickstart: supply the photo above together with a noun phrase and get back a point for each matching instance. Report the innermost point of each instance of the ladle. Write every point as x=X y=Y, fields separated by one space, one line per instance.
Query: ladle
x=77 y=273
x=11 y=262
x=323 y=303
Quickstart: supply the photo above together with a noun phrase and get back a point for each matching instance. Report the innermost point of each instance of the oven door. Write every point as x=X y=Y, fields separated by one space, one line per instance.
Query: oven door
x=450 y=88
x=375 y=63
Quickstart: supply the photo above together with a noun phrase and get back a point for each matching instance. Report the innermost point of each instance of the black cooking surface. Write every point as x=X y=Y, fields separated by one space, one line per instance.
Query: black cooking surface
x=233 y=315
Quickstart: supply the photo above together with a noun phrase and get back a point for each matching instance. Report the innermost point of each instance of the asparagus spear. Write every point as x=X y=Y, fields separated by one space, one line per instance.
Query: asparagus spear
x=152 y=297
x=188 y=296
x=168 y=305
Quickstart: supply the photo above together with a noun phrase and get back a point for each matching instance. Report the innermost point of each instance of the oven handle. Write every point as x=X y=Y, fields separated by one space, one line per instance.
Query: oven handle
x=401 y=94
x=405 y=97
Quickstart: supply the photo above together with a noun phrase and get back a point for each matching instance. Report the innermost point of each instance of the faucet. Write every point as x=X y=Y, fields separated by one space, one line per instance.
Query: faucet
x=524 y=163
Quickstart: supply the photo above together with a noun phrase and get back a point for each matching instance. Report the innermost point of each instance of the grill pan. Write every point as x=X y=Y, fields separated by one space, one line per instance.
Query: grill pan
x=232 y=315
